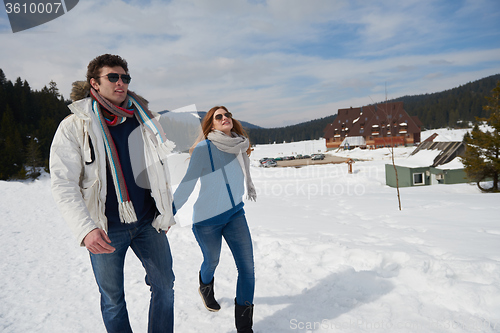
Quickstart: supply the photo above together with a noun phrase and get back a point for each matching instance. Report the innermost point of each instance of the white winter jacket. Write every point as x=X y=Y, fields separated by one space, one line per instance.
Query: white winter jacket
x=78 y=173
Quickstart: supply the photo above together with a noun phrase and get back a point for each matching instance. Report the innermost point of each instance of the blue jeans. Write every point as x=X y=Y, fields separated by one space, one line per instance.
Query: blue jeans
x=237 y=236
x=153 y=250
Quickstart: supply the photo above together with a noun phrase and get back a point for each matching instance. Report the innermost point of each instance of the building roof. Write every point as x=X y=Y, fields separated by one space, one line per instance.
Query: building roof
x=390 y=117
x=446 y=151
x=423 y=159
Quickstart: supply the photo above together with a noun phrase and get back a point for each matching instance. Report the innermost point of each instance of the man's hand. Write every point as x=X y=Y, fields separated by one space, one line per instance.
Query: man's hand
x=97 y=242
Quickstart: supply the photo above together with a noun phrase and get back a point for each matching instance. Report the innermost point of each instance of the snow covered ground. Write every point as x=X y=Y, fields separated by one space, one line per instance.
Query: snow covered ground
x=333 y=254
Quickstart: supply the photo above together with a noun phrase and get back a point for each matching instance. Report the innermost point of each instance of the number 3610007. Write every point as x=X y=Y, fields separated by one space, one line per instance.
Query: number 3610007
x=33 y=8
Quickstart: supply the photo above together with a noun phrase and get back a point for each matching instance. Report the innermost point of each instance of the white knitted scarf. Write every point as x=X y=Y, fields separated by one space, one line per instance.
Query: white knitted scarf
x=238 y=145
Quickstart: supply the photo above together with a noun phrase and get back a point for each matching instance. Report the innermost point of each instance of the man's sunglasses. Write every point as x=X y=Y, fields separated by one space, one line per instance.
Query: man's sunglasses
x=113 y=77
x=219 y=116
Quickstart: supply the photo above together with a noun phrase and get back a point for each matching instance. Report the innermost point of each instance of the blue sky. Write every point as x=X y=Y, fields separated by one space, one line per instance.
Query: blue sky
x=272 y=63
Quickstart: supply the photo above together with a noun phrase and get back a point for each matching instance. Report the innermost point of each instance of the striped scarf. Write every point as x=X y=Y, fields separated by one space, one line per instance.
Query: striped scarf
x=133 y=106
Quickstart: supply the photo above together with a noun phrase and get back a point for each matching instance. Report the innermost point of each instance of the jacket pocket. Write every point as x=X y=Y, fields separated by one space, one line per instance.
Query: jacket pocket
x=90 y=195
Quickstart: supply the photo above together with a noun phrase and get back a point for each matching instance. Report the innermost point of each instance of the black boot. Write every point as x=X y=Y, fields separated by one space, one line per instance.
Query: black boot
x=207 y=295
x=243 y=315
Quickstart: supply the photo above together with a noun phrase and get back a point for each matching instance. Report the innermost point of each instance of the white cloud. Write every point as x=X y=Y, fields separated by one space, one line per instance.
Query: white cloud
x=274 y=62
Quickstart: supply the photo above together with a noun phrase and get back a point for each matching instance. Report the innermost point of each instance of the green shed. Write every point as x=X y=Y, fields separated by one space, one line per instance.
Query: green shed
x=429 y=164
x=418 y=176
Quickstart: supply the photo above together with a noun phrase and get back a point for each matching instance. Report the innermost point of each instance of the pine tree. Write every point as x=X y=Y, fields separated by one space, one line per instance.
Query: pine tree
x=34 y=158
x=53 y=89
x=3 y=78
x=11 y=146
x=3 y=98
x=482 y=156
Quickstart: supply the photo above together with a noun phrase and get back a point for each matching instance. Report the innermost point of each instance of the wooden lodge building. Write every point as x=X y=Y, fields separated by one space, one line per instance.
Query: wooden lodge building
x=373 y=126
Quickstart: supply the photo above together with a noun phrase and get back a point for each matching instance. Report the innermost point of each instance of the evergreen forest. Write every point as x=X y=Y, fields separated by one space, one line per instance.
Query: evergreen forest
x=310 y=130
x=454 y=108
x=28 y=121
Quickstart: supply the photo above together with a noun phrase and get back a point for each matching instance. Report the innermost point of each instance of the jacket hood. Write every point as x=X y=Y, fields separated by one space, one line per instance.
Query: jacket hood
x=81 y=90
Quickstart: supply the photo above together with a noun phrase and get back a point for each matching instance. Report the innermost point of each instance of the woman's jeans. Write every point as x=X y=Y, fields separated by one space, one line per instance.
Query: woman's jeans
x=153 y=250
x=237 y=236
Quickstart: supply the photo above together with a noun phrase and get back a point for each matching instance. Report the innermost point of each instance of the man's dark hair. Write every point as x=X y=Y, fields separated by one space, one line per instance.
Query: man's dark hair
x=94 y=67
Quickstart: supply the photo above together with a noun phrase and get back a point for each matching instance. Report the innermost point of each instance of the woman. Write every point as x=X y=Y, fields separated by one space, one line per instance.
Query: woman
x=220 y=160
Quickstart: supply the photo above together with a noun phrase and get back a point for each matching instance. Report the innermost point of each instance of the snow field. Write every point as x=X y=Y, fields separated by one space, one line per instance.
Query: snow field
x=332 y=252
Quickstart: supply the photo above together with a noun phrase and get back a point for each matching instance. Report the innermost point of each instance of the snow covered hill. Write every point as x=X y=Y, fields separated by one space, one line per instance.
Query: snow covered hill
x=332 y=251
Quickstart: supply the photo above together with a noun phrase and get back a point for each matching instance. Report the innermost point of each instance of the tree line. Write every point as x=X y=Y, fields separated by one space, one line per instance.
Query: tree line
x=311 y=130
x=28 y=121
x=454 y=108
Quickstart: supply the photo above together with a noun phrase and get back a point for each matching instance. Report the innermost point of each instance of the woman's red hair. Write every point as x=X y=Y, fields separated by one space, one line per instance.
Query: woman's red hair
x=207 y=127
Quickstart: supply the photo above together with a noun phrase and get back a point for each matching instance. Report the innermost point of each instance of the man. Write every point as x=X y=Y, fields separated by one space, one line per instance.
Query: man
x=96 y=186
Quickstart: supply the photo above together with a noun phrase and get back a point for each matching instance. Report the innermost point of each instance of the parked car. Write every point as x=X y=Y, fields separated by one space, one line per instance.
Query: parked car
x=278 y=159
x=318 y=157
x=269 y=163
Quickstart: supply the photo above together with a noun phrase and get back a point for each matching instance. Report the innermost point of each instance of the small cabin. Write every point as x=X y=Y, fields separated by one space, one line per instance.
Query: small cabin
x=429 y=164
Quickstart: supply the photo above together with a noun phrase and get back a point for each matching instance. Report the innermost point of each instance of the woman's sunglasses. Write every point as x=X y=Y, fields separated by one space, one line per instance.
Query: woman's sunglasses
x=219 y=116
x=113 y=77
